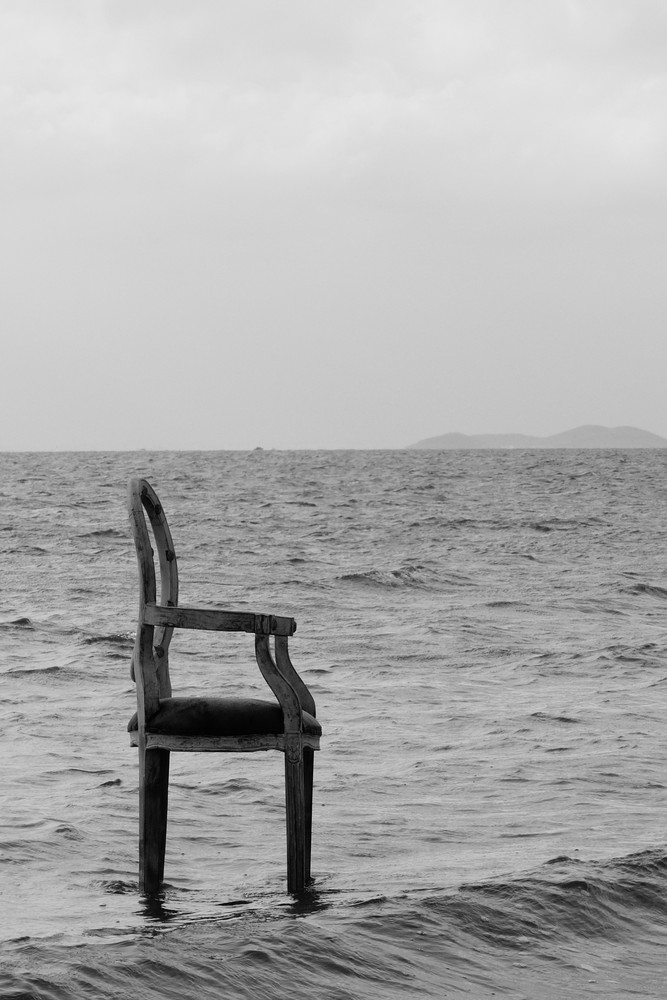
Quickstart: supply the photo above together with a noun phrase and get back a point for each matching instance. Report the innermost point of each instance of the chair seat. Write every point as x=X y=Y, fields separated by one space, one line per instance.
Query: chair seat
x=220 y=717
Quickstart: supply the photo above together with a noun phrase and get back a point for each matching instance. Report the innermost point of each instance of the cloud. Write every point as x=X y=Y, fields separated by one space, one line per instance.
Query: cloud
x=381 y=191
x=450 y=98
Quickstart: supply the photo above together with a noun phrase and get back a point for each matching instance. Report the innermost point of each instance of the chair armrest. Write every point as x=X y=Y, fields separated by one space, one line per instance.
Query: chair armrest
x=217 y=621
x=288 y=670
x=285 y=693
x=291 y=692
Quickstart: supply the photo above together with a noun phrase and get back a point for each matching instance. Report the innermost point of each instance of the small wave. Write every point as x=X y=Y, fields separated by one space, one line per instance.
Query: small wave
x=103 y=533
x=553 y=718
x=118 y=887
x=562 y=524
x=505 y=604
x=115 y=639
x=50 y=627
x=378 y=578
x=68 y=832
x=651 y=589
x=232 y=786
x=408 y=576
x=18 y=623
x=28 y=550
x=27 y=671
x=566 y=898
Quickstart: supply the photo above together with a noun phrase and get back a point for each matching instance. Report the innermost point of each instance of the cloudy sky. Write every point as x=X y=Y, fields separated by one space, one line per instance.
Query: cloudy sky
x=330 y=223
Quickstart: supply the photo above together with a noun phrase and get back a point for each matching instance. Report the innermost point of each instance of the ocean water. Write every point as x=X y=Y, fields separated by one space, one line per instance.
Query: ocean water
x=485 y=635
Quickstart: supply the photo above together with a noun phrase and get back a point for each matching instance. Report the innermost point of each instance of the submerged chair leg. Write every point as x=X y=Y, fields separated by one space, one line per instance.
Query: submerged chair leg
x=308 y=759
x=153 y=802
x=295 y=814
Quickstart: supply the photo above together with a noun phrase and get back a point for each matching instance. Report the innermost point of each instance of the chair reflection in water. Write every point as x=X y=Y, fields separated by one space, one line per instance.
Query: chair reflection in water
x=164 y=723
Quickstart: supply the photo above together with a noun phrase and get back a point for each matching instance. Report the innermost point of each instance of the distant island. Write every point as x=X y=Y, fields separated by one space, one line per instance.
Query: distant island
x=588 y=436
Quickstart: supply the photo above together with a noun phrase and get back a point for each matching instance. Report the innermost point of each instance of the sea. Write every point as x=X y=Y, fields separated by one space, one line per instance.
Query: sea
x=485 y=636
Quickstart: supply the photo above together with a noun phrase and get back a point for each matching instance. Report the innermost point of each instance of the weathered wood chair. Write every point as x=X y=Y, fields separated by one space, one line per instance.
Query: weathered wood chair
x=164 y=723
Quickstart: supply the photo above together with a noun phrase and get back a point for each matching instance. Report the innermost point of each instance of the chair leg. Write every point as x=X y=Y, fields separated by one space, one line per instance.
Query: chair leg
x=295 y=814
x=153 y=802
x=308 y=759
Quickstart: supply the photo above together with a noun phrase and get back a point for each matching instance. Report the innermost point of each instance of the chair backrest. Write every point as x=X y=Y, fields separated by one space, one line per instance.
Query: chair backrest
x=150 y=663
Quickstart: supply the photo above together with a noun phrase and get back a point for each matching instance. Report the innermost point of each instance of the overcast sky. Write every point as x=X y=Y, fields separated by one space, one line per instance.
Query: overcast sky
x=330 y=223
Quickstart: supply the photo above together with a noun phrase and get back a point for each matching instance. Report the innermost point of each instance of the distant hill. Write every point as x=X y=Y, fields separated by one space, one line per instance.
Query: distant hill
x=589 y=436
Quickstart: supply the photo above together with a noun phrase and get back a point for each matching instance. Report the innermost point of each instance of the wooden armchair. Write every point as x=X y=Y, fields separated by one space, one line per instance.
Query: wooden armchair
x=164 y=723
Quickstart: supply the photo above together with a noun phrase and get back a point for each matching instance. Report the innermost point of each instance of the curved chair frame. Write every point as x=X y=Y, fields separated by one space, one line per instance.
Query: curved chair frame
x=297 y=735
